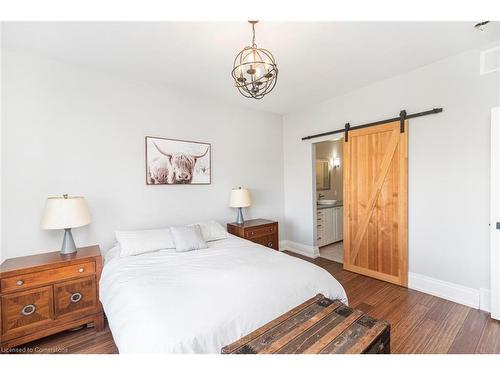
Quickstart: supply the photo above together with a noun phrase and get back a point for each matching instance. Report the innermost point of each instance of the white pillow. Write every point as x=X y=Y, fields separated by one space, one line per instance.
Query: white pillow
x=212 y=231
x=135 y=242
x=112 y=253
x=188 y=238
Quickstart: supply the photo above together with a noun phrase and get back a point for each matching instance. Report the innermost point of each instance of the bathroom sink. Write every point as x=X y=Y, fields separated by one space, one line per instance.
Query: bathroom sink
x=326 y=202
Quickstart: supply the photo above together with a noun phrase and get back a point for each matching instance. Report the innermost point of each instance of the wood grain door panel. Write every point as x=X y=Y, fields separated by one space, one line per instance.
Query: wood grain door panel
x=30 y=280
x=375 y=202
x=259 y=232
x=270 y=241
x=75 y=296
x=25 y=310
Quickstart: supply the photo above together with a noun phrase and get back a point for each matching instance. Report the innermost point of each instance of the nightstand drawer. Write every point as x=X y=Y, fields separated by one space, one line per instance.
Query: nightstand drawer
x=25 y=310
x=259 y=232
x=270 y=241
x=75 y=296
x=30 y=280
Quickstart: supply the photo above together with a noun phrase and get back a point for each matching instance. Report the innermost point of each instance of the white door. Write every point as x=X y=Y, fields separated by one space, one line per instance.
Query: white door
x=333 y=225
x=495 y=214
x=339 y=227
x=320 y=232
x=329 y=228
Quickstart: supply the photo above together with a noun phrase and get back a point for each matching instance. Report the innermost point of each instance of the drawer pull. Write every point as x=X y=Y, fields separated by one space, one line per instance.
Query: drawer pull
x=28 y=310
x=75 y=297
x=19 y=282
x=81 y=269
x=270 y=244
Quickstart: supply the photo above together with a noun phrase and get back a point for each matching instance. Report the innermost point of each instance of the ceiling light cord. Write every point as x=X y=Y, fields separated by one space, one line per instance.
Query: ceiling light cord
x=254 y=45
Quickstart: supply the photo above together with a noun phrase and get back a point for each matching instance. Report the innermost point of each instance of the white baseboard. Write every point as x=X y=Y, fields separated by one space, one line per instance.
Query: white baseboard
x=476 y=298
x=484 y=299
x=299 y=248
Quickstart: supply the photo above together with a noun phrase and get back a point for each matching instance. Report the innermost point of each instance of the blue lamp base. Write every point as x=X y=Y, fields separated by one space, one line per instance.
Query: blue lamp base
x=239 y=218
x=68 y=245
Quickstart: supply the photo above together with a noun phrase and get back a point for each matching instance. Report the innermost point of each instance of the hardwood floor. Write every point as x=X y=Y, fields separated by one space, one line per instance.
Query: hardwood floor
x=83 y=341
x=420 y=323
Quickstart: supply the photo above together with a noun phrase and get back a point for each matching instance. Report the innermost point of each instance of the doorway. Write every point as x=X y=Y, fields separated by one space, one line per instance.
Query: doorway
x=361 y=200
x=329 y=199
x=495 y=214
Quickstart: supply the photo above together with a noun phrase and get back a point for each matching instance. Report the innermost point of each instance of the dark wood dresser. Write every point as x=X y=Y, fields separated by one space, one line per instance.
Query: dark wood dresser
x=261 y=231
x=48 y=293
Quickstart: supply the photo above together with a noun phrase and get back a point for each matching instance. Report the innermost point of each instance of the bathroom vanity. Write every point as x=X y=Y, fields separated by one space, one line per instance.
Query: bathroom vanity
x=329 y=226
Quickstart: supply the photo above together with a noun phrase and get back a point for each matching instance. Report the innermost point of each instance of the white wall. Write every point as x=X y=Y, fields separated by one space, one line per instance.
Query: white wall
x=448 y=163
x=72 y=130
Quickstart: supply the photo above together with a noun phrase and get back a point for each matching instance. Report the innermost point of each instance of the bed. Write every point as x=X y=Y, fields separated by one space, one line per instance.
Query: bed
x=200 y=301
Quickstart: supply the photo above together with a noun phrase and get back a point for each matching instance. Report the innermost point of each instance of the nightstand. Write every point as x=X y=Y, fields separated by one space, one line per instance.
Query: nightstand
x=48 y=293
x=261 y=231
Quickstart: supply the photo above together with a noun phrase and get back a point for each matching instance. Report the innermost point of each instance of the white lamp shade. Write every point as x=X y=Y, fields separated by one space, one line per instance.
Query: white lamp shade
x=240 y=198
x=65 y=212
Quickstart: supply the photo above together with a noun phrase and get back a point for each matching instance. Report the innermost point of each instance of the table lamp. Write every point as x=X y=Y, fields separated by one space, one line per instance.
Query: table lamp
x=65 y=213
x=240 y=198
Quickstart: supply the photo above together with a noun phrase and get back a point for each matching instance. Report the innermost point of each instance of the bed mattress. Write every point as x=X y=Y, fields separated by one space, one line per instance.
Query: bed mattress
x=202 y=300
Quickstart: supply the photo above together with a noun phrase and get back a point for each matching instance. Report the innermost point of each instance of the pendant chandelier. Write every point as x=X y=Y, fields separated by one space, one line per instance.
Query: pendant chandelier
x=254 y=70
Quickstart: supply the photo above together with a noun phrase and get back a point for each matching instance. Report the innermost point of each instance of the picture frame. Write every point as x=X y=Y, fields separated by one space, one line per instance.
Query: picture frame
x=177 y=162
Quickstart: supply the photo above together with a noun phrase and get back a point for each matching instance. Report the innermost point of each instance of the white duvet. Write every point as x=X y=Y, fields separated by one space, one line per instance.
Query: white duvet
x=202 y=300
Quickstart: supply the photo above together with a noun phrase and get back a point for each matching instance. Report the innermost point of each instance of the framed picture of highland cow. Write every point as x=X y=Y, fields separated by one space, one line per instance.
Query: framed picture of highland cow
x=177 y=162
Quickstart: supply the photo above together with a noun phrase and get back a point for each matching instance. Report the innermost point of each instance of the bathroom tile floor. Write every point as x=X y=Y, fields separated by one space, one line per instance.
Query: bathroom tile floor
x=334 y=252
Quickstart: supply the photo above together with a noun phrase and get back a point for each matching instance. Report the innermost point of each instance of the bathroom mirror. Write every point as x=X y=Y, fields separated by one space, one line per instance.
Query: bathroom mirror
x=322 y=174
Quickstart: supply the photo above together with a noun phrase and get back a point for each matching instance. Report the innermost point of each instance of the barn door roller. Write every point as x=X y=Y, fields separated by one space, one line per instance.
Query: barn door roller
x=346 y=135
x=402 y=118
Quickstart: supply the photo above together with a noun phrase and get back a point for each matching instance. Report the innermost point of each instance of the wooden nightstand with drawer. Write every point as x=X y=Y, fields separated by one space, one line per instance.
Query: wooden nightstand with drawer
x=261 y=231
x=48 y=293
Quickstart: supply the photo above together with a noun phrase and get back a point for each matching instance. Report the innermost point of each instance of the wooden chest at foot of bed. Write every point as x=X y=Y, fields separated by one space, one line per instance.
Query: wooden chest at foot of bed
x=318 y=326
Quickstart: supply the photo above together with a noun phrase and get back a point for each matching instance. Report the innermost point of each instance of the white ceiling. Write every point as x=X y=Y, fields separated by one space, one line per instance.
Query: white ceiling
x=316 y=61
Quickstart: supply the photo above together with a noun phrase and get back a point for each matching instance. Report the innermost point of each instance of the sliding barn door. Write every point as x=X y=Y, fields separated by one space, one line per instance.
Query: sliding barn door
x=375 y=202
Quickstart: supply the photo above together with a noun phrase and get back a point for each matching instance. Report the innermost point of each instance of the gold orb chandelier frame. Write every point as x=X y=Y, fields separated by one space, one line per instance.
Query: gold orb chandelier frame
x=255 y=72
